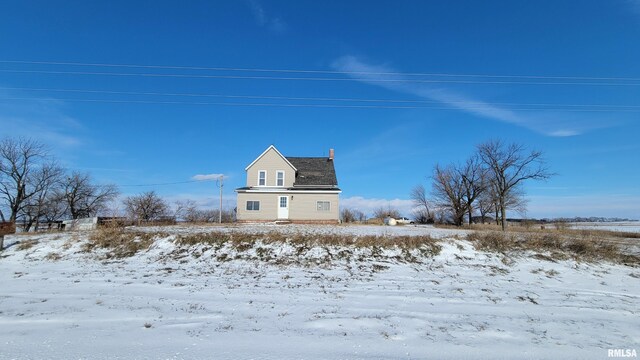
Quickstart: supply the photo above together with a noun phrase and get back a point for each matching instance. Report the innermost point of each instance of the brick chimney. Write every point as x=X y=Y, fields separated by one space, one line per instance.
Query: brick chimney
x=331 y=154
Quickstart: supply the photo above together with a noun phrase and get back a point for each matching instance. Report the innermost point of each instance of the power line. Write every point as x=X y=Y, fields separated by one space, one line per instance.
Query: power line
x=112 y=92
x=480 y=106
x=429 y=81
x=249 y=69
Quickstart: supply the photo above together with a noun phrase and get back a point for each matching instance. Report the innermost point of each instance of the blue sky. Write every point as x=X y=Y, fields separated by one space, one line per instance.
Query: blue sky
x=412 y=83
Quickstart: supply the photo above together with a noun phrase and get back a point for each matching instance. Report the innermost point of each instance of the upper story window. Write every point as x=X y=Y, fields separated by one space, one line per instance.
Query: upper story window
x=262 y=178
x=280 y=178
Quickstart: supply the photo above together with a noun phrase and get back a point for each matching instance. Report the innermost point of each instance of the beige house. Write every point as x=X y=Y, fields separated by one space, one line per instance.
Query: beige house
x=292 y=189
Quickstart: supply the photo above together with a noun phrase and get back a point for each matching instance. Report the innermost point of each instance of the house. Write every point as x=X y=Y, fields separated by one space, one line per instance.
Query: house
x=291 y=189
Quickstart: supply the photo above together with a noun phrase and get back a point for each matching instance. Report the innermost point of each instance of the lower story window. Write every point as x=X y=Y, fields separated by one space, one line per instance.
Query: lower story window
x=323 y=205
x=253 y=205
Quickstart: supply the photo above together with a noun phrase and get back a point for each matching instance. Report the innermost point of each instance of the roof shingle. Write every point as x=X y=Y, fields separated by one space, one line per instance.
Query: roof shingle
x=314 y=171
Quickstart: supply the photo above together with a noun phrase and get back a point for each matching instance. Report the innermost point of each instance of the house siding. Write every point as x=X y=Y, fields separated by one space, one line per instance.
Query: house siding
x=271 y=162
x=302 y=207
x=268 y=207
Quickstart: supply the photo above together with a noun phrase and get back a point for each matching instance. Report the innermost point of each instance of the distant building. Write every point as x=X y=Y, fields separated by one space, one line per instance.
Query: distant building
x=92 y=223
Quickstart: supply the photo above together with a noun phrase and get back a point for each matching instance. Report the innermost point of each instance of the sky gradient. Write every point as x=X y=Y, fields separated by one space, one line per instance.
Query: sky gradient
x=159 y=92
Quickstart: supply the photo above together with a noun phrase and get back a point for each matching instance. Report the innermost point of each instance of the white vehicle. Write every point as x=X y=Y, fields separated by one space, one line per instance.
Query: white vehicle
x=404 y=220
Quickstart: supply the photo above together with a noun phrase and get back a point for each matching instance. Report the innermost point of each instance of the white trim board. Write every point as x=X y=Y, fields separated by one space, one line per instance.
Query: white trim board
x=281 y=191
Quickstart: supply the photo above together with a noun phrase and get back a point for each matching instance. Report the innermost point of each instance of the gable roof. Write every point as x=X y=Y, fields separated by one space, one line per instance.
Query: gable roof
x=314 y=171
x=266 y=151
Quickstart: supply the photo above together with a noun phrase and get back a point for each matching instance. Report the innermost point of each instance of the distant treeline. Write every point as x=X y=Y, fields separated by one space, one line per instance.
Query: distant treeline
x=587 y=219
x=570 y=220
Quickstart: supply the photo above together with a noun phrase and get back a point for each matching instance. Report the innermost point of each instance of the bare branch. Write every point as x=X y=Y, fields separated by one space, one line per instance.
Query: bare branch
x=24 y=172
x=84 y=198
x=146 y=207
x=449 y=192
x=419 y=197
x=509 y=166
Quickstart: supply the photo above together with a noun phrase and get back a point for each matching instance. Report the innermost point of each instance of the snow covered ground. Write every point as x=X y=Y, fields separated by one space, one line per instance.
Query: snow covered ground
x=625 y=226
x=228 y=303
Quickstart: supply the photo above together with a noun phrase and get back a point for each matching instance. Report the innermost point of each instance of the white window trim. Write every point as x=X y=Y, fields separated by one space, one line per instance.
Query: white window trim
x=265 y=177
x=323 y=201
x=283 y=175
x=252 y=201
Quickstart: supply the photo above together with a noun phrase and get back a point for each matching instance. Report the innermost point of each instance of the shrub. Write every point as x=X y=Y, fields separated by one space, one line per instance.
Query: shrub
x=27 y=244
x=352 y=215
x=492 y=241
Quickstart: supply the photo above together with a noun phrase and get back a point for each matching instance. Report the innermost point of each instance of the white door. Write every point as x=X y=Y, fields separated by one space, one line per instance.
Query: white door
x=283 y=207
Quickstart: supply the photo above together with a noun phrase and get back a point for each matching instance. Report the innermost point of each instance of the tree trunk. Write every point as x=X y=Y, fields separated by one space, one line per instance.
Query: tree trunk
x=504 y=218
x=470 y=212
x=1 y=242
x=27 y=225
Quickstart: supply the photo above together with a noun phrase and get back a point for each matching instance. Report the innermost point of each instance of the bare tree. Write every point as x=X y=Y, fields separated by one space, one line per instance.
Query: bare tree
x=203 y=215
x=517 y=201
x=23 y=173
x=421 y=216
x=146 y=207
x=228 y=215
x=348 y=215
x=449 y=192
x=84 y=198
x=510 y=165
x=183 y=208
x=54 y=208
x=47 y=180
x=486 y=204
x=474 y=182
x=188 y=211
x=195 y=215
x=384 y=212
x=419 y=197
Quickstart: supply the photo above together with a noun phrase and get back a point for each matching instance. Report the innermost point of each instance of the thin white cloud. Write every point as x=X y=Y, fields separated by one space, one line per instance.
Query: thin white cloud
x=209 y=177
x=39 y=119
x=544 y=122
x=45 y=132
x=273 y=23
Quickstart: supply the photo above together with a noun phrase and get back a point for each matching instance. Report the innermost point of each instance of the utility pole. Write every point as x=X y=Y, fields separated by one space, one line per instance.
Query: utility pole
x=220 y=213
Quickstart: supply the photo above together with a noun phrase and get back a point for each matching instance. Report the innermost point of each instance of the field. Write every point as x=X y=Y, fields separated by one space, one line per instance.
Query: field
x=632 y=226
x=301 y=291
